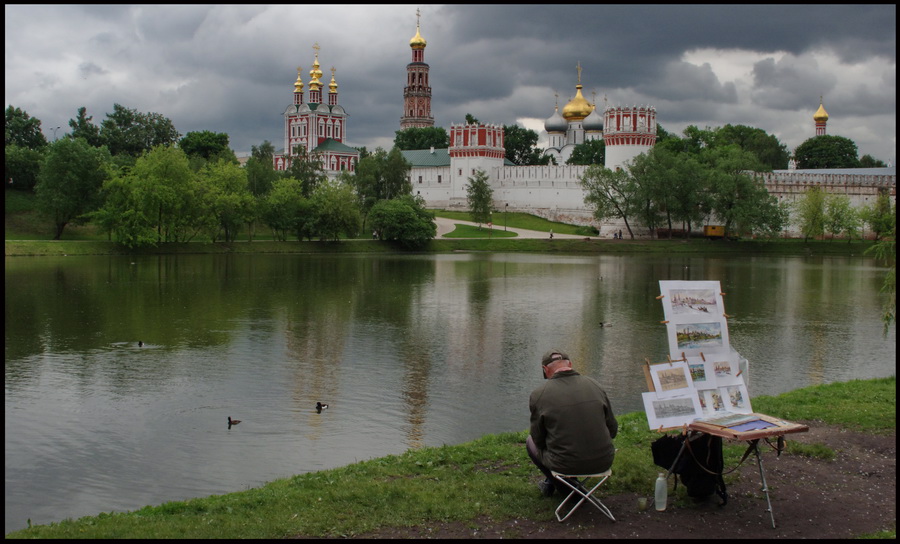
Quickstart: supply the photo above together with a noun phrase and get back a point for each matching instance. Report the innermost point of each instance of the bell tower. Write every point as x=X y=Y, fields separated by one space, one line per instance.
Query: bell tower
x=417 y=93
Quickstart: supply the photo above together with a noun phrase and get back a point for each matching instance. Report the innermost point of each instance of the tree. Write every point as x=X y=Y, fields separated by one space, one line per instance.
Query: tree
x=841 y=218
x=336 y=211
x=773 y=154
x=226 y=196
x=881 y=215
x=261 y=173
x=23 y=130
x=471 y=120
x=480 y=197
x=827 y=152
x=670 y=185
x=82 y=127
x=612 y=195
x=403 y=220
x=285 y=210
x=22 y=166
x=868 y=161
x=70 y=180
x=206 y=144
x=129 y=132
x=307 y=168
x=421 y=138
x=521 y=146
x=590 y=152
x=381 y=176
x=810 y=211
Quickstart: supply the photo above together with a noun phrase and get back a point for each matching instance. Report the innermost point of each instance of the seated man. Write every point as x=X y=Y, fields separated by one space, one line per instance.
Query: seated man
x=572 y=423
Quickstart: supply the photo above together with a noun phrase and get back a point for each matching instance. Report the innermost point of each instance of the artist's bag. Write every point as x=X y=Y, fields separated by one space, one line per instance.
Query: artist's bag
x=700 y=465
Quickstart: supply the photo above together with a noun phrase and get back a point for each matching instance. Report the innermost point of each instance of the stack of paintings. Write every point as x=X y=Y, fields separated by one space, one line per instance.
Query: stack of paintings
x=703 y=377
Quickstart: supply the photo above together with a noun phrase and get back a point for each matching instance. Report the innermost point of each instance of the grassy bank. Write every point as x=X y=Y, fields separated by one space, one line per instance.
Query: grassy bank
x=491 y=476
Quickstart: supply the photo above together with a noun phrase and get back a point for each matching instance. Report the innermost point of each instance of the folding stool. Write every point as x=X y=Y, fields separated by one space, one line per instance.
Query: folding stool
x=582 y=491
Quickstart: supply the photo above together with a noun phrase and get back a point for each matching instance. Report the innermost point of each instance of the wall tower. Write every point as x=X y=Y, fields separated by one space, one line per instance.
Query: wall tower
x=417 y=93
x=628 y=132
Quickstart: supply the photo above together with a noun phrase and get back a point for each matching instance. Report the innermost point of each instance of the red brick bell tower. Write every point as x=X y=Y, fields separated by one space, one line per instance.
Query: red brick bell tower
x=417 y=93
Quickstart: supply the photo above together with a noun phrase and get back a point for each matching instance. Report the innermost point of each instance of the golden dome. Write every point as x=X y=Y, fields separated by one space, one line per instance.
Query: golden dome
x=417 y=41
x=333 y=85
x=821 y=115
x=298 y=85
x=315 y=84
x=578 y=108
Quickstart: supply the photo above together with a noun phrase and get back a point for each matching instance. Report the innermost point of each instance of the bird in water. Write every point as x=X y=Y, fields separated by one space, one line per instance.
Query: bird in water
x=320 y=406
x=604 y=325
x=140 y=343
x=232 y=421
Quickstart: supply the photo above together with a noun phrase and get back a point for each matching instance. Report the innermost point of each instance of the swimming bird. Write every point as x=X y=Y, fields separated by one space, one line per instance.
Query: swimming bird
x=232 y=421
x=603 y=325
x=140 y=343
x=320 y=406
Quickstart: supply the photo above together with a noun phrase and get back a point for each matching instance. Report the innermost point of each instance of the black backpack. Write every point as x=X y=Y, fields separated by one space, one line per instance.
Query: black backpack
x=700 y=465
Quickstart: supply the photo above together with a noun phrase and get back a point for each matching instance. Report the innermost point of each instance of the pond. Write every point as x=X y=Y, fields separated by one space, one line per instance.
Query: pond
x=407 y=350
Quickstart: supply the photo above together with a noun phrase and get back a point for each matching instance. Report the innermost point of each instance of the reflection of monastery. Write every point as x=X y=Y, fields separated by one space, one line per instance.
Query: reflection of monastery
x=440 y=176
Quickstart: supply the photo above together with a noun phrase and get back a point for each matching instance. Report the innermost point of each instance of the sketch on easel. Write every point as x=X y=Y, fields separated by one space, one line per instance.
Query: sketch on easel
x=726 y=369
x=694 y=302
x=692 y=338
x=711 y=402
x=702 y=373
x=736 y=398
x=671 y=379
x=671 y=412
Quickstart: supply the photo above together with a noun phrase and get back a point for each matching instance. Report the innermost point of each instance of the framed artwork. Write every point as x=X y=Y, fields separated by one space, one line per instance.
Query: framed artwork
x=671 y=412
x=671 y=379
x=702 y=373
x=726 y=369
x=711 y=402
x=695 y=317
x=737 y=399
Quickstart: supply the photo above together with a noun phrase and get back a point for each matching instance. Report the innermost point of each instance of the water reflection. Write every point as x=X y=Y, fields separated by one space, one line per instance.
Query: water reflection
x=407 y=350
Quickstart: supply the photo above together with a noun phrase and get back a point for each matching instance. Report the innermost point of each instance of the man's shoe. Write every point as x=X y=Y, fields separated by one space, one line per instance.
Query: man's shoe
x=547 y=488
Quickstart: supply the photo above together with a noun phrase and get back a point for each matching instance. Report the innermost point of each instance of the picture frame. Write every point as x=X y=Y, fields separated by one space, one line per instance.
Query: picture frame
x=670 y=412
x=737 y=398
x=695 y=317
x=691 y=339
x=671 y=379
x=726 y=368
x=702 y=373
x=712 y=402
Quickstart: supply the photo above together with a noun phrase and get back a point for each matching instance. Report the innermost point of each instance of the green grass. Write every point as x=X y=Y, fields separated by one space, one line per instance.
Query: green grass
x=518 y=220
x=489 y=477
x=471 y=231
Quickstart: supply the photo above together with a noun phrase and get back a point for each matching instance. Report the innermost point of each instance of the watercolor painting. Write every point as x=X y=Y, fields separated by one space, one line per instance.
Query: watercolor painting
x=702 y=373
x=671 y=412
x=671 y=379
x=711 y=402
x=726 y=369
x=737 y=399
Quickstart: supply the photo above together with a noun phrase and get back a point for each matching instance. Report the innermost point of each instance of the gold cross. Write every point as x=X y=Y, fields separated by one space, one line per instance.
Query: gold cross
x=417 y=17
x=578 y=67
x=316 y=47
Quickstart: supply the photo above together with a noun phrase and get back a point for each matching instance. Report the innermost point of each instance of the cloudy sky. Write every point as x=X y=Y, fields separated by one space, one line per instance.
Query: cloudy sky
x=232 y=68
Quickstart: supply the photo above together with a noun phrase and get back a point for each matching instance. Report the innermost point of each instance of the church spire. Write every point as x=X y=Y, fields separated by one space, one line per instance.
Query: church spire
x=417 y=92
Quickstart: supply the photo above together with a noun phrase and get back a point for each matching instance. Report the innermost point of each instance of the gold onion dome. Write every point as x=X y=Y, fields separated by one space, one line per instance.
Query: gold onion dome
x=315 y=74
x=821 y=114
x=578 y=108
x=417 y=41
x=333 y=85
x=298 y=85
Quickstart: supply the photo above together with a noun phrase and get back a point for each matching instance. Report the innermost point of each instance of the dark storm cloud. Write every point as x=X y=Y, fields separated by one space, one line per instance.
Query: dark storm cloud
x=231 y=68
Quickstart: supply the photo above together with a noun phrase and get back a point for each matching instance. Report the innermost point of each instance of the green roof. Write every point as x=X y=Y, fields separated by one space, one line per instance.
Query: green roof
x=334 y=145
x=425 y=157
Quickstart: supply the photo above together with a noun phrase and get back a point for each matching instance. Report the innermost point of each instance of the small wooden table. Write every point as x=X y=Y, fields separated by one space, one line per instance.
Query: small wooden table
x=749 y=428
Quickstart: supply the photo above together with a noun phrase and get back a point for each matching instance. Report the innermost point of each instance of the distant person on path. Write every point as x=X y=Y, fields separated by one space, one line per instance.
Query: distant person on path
x=551 y=234
x=572 y=423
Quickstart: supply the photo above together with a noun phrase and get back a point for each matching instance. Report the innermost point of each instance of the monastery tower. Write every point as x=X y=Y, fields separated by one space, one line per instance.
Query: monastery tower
x=628 y=132
x=417 y=93
x=821 y=119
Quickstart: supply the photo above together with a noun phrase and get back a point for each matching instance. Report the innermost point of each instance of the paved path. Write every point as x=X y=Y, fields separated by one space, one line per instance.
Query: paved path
x=448 y=225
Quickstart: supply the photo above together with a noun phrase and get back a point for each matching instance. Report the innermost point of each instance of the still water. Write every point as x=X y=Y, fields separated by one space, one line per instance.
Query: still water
x=408 y=351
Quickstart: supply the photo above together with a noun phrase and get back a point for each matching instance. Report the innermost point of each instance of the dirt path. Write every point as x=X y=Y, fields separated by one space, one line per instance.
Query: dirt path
x=852 y=495
x=445 y=226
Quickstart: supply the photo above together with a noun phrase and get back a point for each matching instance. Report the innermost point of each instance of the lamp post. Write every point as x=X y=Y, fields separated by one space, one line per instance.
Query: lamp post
x=505 y=213
x=54 y=133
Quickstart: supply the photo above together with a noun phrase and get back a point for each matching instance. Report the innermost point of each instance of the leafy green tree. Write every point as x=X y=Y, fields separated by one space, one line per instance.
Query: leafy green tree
x=306 y=167
x=285 y=210
x=827 y=152
x=261 y=173
x=521 y=146
x=591 y=152
x=22 y=166
x=130 y=132
x=70 y=180
x=403 y=220
x=881 y=215
x=23 y=130
x=868 y=161
x=841 y=218
x=336 y=210
x=471 y=120
x=670 y=185
x=207 y=145
x=773 y=154
x=421 y=138
x=82 y=127
x=381 y=176
x=480 y=197
x=810 y=210
x=155 y=201
x=611 y=195
x=886 y=250
x=227 y=198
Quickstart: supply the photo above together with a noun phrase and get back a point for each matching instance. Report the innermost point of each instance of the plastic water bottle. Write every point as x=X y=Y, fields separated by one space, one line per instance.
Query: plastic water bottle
x=662 y=492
